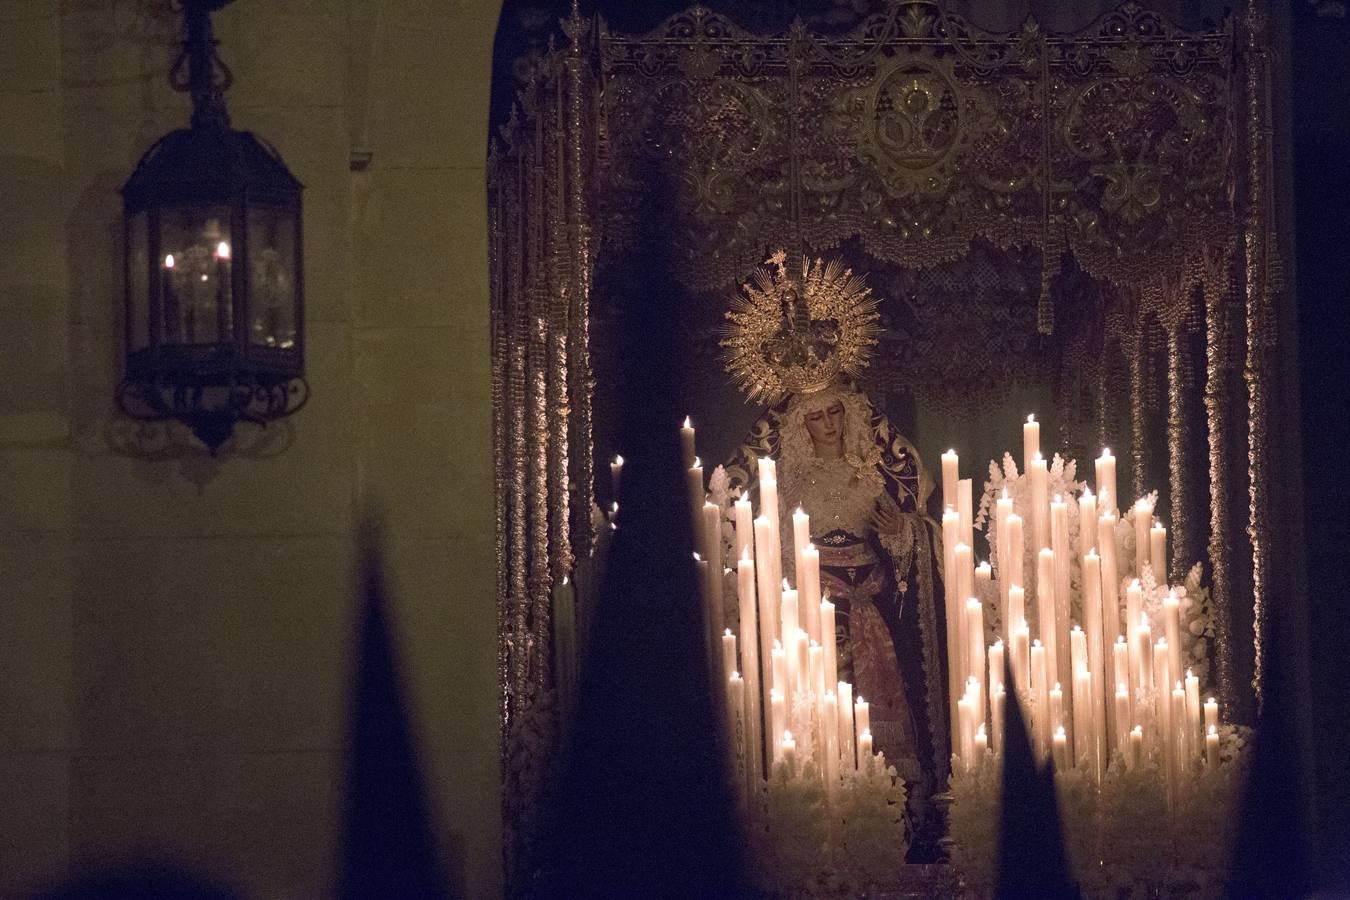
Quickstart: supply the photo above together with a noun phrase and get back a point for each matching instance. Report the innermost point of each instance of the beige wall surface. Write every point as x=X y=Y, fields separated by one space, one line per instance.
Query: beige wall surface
x=176 y=634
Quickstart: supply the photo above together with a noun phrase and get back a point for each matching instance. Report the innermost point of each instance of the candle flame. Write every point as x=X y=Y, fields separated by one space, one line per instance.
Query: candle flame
x=168 y=261
x=1031 y=418
x=698 y=463
x=1059 y=498
x=745 y=557
x=1036 y=457
x=697 y=558
x=1059 y=732
x=787 y=735
x=1122 y=689
x=1179 y=688
x=687 y=423
x=726 y=632
x=1214 y=730
x=222 y=250
x=1189 y=676
x=618 y=459
x=204 y=278
x=1106 y=452
x=1061 y=690
x=799 y=512
x=735 y=676
x=1087 y=493
x=979 y=732
x=1120 y=639
x=1036 y=643
x=564 y=579
x=614 y=507
x=1005 y=493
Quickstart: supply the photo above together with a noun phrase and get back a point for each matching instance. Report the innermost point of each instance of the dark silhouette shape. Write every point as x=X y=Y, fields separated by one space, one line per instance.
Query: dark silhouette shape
x=389 y=846
x=1272 y=854
x=643 y=807
x=1031 y=858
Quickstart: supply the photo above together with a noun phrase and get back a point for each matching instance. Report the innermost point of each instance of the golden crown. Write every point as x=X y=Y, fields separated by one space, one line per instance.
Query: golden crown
x=798 y=335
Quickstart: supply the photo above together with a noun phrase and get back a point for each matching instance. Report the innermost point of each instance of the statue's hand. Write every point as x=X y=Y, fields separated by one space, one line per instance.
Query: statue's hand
x=885 y=516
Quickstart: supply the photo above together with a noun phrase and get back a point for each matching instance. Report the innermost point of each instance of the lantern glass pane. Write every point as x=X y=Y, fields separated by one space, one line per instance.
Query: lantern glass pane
x=196 y=255
x=138 y=281
x=272 y=261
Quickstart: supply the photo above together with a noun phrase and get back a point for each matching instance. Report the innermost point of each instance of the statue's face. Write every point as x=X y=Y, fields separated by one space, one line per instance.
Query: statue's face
x=826 y=427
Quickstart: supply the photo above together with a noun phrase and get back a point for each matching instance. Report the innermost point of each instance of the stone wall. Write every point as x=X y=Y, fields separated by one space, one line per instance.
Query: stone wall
x=176 y=633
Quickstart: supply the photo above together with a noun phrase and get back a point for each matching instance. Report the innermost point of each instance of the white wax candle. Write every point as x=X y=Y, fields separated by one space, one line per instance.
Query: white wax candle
x=951 y=529
x=844 y=695
x=1063 y=550
x=1021 y=658
x=810 y=596
x=1134 y=601
x=984 y=579
x=1120 y=676
x=965 y=572
x=802 y=645
x=766 y=551
x=778 y=718
x=829 y=720
x=736 y=732
x=728 y=651
x=997 y=712
x=1087 y=521
x=1211 y=714
x=996 y=675
x=1096 y=649
x=816 y=667
x=768 y=509
x=615 y=475
x=975 y=629
x=1031 y=442
x=1106 y=480
x=778 y=660
x=756 y=696
x=1003 y=508
x=1136 y=746
x=1057 y=708
x=712 y=552
x=829 y=640
x=1046 y=610
x=1162 y=703
x=1143 y=518
x=1078 y=655
x=1106 y=546
x=950 y=475
x=1016 y=550
x=788 y=617
x=1171 y=609
x=1180 y=754
x=801 y=536
x=745 y=529
x=1017 y=608
x=862 y=718
x=981 y=744
x=1157 y=552
x=694 y=484
x=1040 y=708
x=1192 y=715
x=1143 y=635
x=1212 y=748
x=790 y=752
x=1040 y=503
x=966 y=736
x=687 y=443
x=866 y=758
x=965 y=509
x=1122 y=719
x=1061 y=751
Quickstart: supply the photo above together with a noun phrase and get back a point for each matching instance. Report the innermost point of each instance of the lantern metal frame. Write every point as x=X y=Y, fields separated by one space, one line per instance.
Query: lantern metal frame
x=209 y=387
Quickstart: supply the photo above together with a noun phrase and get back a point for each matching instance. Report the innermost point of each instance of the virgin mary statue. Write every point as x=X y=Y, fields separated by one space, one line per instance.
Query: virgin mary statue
x=797 y=343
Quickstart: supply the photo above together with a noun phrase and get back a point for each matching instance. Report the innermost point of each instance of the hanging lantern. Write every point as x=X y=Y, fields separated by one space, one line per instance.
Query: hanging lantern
x=214 y=271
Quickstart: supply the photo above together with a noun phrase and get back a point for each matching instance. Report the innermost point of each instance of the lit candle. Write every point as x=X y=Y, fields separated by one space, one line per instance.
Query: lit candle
x=790 y=752
x=736 y=731
x=1040 y=707
x=778 y=713
x=1063 y=550
x=1144 y=641
x=981 y=744
x=1122 y=719
x=965 y=509
x=1143 y=518
x=728 y=651
x=755 y=694
x=745 y=529
x=997 y=711
x=866 y=758
x=996 y=675
x=1136 y=746
x=694 y=484
x=778 y=660
x=951 y=528
x=1212 y=748
x=965 y=743
x=1172 y=631
x=1134 y=601
x=1157 y=551
x=714 y=611
x=788 y=617
x=862 y=721
x=1046 y=628
x=1211 y=714
x=687 y=443
x=965 y=572
x=768 y=509
x=1061 y=750
x=1192 y=715
x=1021 y=658
x=1178 y=739
x=975 y=628
x=844 y=695
x=829 y=720
x=1087 y=521
x=615 y=474
x=1017 y=608
x=1013 y=572
x=1040 y=503
x=1120 y=675
x=1106 y=546
x=1057 y=709
x=766 y=550
x=1106 y=480
x=801 y=645
x=1096 y=647
x=1003 y=508
x=829 y=641
x=1031 y=442
x=810 y=597
x=984 y=579
x=1162 y=704
x=223 y=292
x=950 y=474
x=816 y=668
x=801 y=536
x=172 y=316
